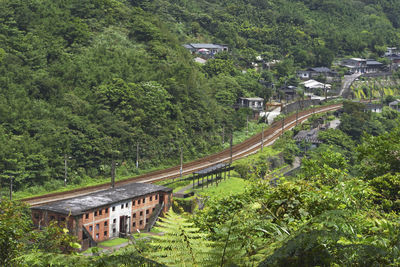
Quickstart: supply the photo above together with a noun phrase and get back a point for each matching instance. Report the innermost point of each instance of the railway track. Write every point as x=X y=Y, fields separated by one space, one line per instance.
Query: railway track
x=248 y=147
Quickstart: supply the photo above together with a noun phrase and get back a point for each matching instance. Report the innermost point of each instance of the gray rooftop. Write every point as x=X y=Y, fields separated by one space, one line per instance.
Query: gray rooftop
x=206 y=46
x=212 y=168
x=252 y=98
x=309 y=136
x=373 y=62
x=320 y=69
x=79 y=205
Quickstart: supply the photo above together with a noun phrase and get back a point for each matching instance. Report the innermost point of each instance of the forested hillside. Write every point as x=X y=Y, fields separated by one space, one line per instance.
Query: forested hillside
x=310 y=32
x=91 y=79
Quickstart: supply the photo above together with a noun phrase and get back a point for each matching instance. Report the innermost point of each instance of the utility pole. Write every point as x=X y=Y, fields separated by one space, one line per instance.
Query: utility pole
x=65 y=170
x=137 y=155
x=223 y=134
x=181 y=169
x=370 y=91
x=113 y=173
x=231 y=150
x=262 y=138
x=325 y=89
x=247 y=125
x=11 y=187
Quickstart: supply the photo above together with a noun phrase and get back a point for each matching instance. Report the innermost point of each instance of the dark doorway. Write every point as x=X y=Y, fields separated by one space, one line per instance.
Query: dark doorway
x=122 y=225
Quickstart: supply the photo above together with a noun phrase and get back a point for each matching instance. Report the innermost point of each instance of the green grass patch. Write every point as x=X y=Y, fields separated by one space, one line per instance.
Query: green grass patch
x=176 y=185
x=240 y=136
x=226 y=187
x=140 y=235
x=113 y=242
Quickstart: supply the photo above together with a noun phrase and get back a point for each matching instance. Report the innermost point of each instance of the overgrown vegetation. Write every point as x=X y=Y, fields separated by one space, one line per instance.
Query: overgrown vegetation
x=87 y=81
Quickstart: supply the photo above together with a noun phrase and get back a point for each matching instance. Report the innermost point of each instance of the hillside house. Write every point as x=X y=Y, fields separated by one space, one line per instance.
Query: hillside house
x=106 y=214
x=395 y=105
x=391 y=51
x=205 y=49
x=359 y=65
x=312 y=73
x=310 y=137
x=312 y=85
x=254 y=103
x=373 y=107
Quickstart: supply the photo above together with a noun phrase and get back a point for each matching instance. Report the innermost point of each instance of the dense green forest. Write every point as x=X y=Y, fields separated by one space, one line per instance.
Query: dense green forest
x=91 y=79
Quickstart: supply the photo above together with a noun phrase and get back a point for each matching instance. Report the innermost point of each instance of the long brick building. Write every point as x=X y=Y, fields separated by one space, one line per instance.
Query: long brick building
x=110 y=213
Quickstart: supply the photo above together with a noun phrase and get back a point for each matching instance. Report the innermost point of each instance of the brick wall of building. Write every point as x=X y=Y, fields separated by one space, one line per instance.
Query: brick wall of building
x=97 y=223
x=100 y=223
x=142 y=208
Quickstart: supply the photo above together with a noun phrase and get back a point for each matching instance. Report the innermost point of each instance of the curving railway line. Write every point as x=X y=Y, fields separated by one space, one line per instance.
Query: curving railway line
x=250 y=146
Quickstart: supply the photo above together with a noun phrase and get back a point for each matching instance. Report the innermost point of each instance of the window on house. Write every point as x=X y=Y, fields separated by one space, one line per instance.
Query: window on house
x=97 y=227
x=105 y=233
x=115 y=220
x=126 y=205
x=90 y=228
x=147 y=211
x=87 y=215
x=95 y=213
x=133 y=224
x=147 y=220
x=105 y=223
x=106 y=210
x=156 y=197
x=141 y=213
x=100 y=212
x=141 y=222
x=151 y=198
x=36 y=215
x=122 y=206
x=113 y=208
x=97 y=236
x=154 y=209
x=133 y=203
x=114 y=230
x=144 y=200
x=134 y=215
x=138 y=201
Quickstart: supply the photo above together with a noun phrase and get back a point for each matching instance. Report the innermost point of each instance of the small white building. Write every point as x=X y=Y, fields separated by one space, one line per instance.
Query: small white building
x=254 y=103
x=312 y=84
x=206 y=49
x=395 y=105
x=315 y=72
